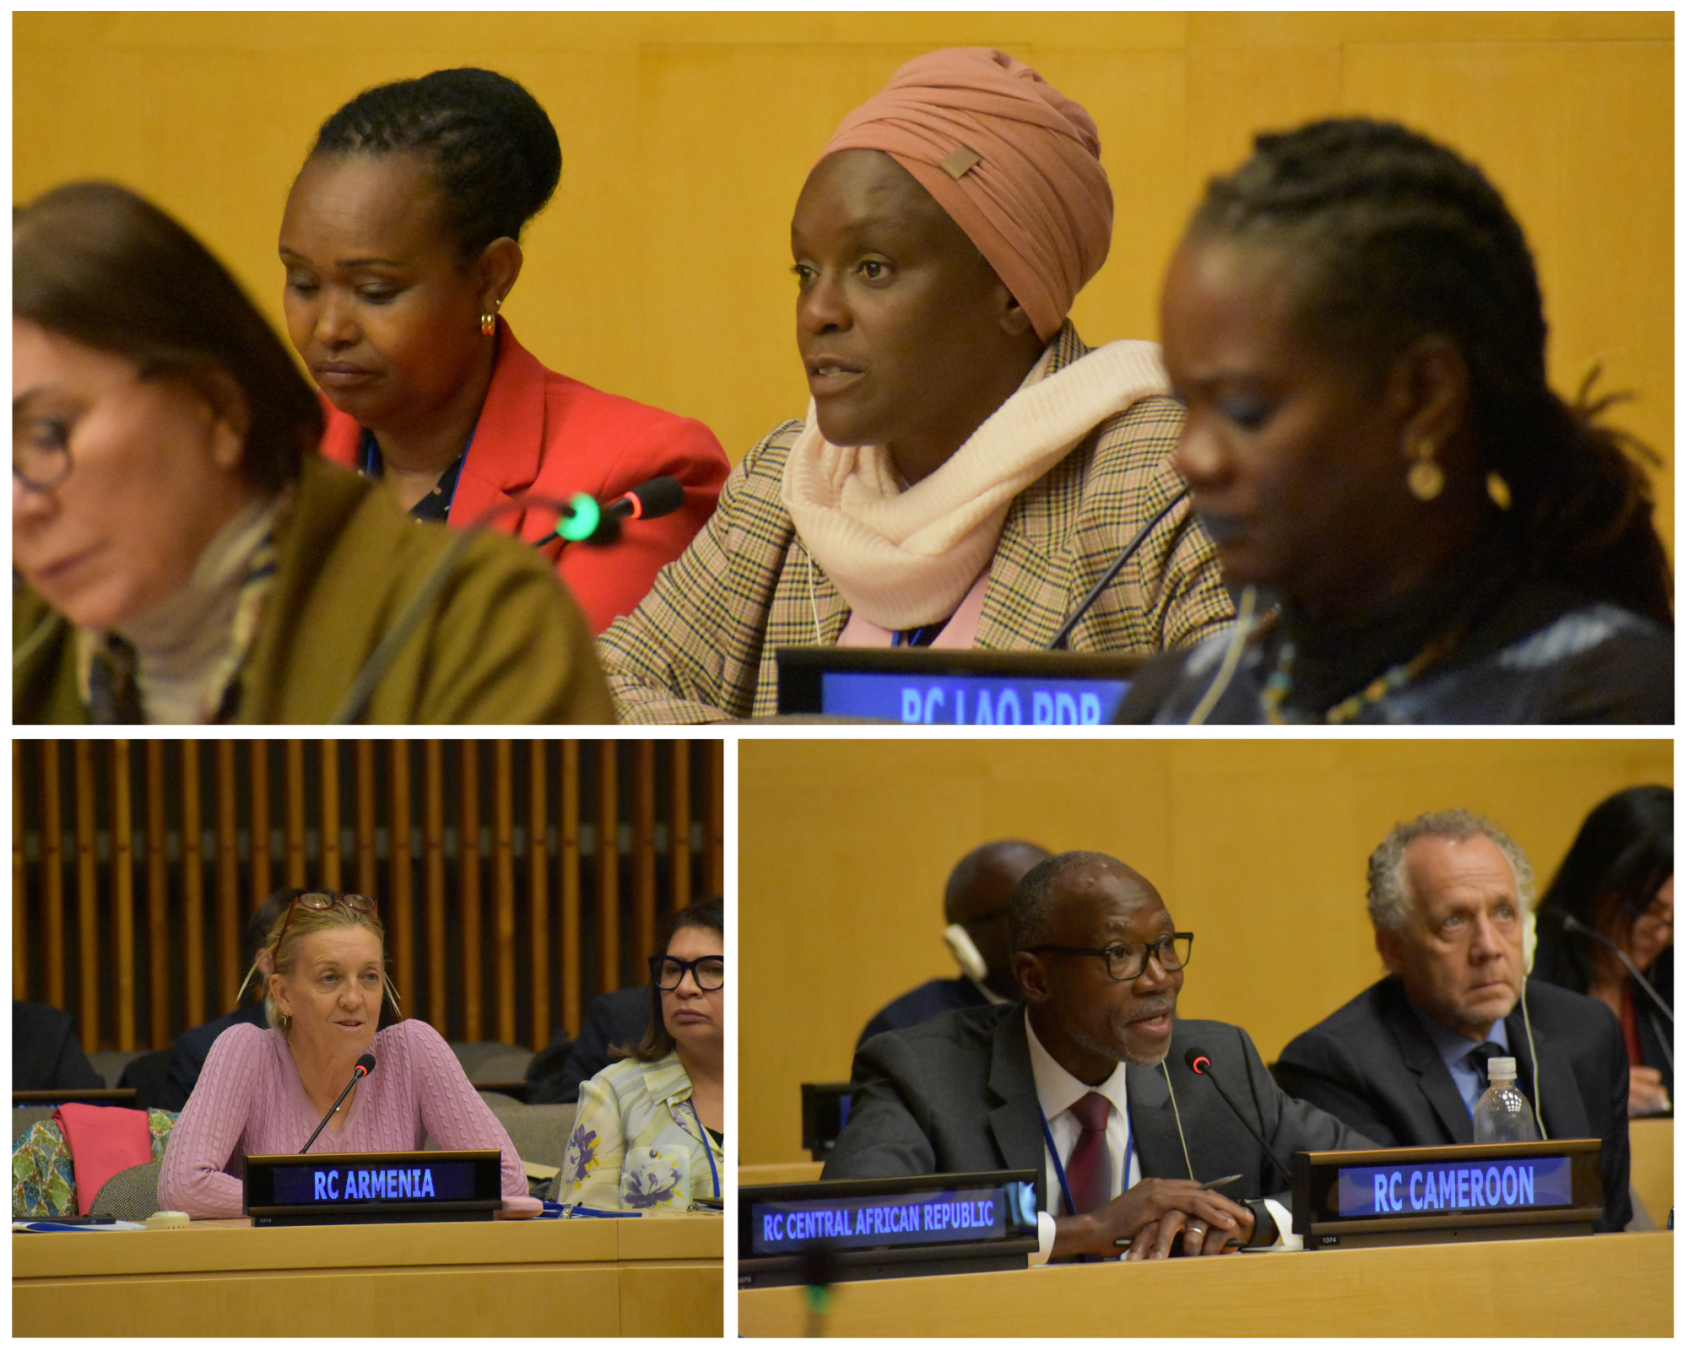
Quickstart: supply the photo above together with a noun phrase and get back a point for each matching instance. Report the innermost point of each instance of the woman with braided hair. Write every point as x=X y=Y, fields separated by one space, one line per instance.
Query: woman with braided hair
x=1423 y=531
x=400 y=243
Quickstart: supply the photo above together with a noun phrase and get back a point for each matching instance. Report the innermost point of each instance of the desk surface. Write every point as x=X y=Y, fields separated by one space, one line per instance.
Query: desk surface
x=607 y=1277
x=1616 y=1284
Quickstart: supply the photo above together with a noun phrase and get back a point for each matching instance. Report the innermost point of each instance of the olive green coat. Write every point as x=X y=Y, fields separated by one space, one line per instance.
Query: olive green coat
x=502 y=641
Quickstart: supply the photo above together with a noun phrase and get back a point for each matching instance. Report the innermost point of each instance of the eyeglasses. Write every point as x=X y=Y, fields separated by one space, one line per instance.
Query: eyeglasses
x=322 y=902
x=708 y=971
x=1128 y=960
x=40 y=458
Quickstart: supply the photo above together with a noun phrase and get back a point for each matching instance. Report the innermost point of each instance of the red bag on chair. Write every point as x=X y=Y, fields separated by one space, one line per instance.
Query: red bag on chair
x=103 y=1140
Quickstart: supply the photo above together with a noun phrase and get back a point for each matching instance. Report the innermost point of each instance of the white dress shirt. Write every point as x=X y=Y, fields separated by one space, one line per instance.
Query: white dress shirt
x=1057 y=1090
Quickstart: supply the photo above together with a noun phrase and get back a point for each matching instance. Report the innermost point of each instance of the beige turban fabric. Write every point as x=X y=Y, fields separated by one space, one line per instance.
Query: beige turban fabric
x=1014 y=163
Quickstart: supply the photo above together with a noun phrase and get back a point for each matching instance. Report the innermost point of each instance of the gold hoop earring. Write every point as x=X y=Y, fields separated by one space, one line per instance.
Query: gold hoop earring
x=489 y=322
x=1425 y=478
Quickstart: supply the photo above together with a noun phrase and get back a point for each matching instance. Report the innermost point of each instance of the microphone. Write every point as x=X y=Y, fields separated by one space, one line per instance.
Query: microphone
x=1201 y=1065
x=365 y=1064
x=1059 y=641
x=1575 y=925
x=586 y=520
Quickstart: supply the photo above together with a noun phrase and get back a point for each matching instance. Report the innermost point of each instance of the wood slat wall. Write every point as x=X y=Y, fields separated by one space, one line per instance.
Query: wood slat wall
x=516 y=879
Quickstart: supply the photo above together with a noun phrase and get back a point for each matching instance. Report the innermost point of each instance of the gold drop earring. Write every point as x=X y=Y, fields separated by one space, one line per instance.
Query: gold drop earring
x=1425 y=478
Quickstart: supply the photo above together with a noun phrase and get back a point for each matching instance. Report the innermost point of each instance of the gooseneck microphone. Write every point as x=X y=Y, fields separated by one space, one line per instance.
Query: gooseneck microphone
x=1201 y=1065
x=587 y=520
x=365 y=1065
x=1059 y=641
x=1575 y=925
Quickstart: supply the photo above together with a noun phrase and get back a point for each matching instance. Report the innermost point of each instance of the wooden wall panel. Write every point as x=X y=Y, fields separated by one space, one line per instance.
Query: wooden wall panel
x=1258 y=847
x=136 y=864
x=661 y=269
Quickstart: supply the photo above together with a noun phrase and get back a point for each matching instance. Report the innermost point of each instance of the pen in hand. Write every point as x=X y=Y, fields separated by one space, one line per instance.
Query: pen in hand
x=1220 y=1181
x=1206 y=1186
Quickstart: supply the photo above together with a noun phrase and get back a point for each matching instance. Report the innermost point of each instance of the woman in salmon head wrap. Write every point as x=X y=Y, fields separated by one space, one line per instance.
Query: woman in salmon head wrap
x=968 y=468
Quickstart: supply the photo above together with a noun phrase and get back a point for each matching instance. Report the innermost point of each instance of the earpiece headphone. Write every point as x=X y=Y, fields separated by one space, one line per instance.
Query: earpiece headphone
x=1524 y=1000
x=965 y=953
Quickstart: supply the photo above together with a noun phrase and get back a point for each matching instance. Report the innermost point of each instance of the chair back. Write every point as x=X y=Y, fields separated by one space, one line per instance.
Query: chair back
x=539 y=1133
x=24 y=1119
x=131 y=1194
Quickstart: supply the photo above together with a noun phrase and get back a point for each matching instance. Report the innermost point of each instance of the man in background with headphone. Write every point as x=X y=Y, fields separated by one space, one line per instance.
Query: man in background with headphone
x=976 y=911
x=1077 y=1080
x=1406 y=1061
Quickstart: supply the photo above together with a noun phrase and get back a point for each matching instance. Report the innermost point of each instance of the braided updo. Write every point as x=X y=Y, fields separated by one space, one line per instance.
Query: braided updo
x=492 y=149
x=1398 y=237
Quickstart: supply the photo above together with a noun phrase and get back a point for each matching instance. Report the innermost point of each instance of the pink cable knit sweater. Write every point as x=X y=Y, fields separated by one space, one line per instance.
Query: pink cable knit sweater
x=249 y=1100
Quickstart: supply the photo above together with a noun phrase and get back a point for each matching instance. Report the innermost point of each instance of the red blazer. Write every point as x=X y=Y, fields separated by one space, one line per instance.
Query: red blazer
x=543 y=433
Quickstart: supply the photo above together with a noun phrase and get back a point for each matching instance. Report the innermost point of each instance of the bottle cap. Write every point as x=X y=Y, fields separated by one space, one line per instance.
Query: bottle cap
x=1503 y=1068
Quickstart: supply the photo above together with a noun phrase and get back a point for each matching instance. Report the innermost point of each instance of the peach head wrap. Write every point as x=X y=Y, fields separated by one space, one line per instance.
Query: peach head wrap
x=1014 y=163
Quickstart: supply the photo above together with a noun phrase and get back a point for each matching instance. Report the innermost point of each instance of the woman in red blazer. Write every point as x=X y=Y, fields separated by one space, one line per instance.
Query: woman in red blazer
x=400 y=242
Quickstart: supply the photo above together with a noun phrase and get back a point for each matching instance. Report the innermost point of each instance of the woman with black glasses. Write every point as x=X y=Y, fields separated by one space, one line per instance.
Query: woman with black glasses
x=264 y=1090
x=648 y=1131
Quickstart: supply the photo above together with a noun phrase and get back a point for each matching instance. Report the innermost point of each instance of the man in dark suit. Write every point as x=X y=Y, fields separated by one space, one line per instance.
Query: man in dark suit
x=1074 y=1083
x=1406 y=1061
x=976 y=899
x=616 y=1018
x=45 y=1051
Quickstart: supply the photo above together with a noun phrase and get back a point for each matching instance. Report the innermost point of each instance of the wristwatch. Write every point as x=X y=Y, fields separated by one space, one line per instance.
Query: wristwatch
x=1265 y=1226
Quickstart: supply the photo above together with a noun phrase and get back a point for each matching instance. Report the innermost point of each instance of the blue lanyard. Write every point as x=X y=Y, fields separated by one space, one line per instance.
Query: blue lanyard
x=708 y=1152
x=1061 y=1172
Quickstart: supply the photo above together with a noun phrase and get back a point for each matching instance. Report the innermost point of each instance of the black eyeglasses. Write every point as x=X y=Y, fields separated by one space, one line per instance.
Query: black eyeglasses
x=40 y=458
x=708 y=971
x=1128 y=960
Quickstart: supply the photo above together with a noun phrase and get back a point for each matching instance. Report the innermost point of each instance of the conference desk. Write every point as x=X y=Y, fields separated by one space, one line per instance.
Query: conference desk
x=552 y=1277
x=1617 y=1284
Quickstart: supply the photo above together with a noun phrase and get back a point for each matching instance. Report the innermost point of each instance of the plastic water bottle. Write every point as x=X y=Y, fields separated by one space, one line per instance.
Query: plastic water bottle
x=1503 y=1114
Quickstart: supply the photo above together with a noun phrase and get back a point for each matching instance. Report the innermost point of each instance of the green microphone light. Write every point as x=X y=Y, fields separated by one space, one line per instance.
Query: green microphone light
x=581 y=520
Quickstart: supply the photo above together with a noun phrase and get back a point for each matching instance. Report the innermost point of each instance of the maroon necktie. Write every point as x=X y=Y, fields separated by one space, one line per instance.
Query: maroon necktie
x=1087 y=1167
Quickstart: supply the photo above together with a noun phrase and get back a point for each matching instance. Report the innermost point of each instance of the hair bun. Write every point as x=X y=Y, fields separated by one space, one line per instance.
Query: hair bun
x=493 y=150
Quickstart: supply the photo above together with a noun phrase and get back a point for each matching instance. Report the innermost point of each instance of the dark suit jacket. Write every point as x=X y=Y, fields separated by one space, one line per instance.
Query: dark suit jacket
x=615 y=1018
x=1371 y=1064
x=188 y=1052
x=45 y=1051
x=930 y=999
x=956 y=1094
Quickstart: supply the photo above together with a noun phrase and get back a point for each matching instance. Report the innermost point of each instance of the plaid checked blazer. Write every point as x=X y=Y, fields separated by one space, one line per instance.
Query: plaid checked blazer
x=700 y=647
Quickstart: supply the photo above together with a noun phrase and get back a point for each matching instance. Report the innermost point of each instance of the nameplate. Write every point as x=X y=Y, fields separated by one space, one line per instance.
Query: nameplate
x=927 y=687
x=1458 y=1193
x=373 y=1187
x=1454 y=1187
x=903 y=1220
x=891 y=1226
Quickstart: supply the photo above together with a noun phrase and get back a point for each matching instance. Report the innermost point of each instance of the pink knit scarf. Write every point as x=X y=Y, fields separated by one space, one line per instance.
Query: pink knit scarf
x=906 y=558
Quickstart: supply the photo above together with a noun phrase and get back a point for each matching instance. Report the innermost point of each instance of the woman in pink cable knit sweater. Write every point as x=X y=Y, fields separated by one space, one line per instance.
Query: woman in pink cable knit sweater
x=263 y=1091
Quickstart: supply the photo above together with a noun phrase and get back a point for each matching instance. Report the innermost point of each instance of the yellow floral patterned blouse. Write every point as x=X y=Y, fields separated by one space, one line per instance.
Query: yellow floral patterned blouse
x=636 y=1143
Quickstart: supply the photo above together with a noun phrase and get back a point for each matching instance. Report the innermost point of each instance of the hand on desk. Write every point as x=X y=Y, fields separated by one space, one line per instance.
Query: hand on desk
x=1179 y=1234
x=1647 y=1095
x=1161 y=1208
